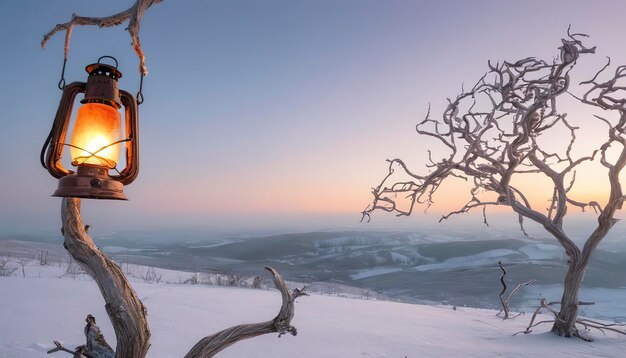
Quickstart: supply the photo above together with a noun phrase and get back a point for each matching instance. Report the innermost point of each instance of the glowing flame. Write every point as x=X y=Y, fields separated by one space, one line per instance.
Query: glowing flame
x=97 y=127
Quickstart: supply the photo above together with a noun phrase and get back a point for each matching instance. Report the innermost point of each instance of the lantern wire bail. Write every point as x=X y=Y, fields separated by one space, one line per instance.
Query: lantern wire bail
x=62 y=81
x=140 y=93
x=111 y=57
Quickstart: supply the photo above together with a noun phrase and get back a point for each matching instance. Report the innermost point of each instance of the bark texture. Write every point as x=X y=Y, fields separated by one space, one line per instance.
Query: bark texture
x=126 y=312
x=565 y=322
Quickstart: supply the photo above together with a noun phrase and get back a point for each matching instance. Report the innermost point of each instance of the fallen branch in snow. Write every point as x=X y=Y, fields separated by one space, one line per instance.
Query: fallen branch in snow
x=210 y=345
x=505 y=303
x=543 y=304
x=587 y=323
x=59 y=348
x=96 y=347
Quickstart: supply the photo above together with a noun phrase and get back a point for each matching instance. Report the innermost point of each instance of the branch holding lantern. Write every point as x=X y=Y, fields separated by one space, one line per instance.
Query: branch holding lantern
x=128 y=314
x=133 y=14
x=126 y=311
x=95 y=148
x=97 y=141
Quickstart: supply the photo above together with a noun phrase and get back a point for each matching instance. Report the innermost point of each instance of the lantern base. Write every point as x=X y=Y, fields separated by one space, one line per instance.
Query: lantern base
x=90 y=182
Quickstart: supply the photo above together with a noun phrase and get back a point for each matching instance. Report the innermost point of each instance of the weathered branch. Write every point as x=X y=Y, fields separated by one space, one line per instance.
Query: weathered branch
x=96 y=346
x=517 y=288
x=505 y=306
x=505 y=302
x=134 y=14
x=126 y=312
x=543 y=304
x=211 y=345
x=587 y=323
x=78 y=352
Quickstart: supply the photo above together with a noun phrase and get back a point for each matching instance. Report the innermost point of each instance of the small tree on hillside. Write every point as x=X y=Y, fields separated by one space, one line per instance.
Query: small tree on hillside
x=502 y=130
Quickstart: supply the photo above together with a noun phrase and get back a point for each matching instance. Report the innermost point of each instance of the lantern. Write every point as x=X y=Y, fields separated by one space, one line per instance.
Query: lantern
x=97 y=137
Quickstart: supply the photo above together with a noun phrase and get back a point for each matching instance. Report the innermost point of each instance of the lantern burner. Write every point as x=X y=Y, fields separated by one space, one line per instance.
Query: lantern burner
x=92 y=182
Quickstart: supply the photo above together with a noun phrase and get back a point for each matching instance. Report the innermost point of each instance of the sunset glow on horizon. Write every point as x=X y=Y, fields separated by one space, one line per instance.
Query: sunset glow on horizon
x=285 y=111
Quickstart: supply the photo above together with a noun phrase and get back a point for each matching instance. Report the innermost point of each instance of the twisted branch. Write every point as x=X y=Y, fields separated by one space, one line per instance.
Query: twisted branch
x=505 y=306
x=127 y=313
x=505 y=302
x=134 y=14
x=211 y=345
x=125 y=310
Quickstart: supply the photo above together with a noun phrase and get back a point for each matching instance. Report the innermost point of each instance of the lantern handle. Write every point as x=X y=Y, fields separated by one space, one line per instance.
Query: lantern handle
x=140 y=93
x=112 y=58
x=62 y=80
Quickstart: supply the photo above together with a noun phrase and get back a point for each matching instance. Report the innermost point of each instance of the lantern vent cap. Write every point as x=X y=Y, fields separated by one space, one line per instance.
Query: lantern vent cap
x=102 y=84
x=104 y=69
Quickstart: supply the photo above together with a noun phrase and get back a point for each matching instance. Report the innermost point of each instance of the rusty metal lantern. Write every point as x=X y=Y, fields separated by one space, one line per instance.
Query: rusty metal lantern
x=96 y=141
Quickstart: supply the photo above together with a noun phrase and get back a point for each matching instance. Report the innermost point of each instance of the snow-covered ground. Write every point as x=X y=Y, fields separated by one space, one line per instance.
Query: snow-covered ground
x=49 y=304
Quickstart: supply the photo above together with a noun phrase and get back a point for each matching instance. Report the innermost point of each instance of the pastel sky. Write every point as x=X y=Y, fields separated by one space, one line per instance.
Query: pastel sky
x=267 y=114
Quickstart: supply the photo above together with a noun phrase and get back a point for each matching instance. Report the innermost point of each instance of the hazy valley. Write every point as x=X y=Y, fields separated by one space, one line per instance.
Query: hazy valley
x=451 y=269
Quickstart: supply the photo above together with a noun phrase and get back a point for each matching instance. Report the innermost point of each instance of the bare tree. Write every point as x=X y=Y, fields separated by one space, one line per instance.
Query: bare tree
x=43 y=258
x=492 y=132
x=5 y=269
x=126 y=312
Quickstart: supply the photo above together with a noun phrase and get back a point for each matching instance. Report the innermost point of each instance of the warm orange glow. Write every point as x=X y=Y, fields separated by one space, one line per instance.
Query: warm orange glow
x=97 y=127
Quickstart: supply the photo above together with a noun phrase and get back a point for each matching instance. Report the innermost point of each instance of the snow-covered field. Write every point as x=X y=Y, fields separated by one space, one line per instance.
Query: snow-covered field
x=48 y=304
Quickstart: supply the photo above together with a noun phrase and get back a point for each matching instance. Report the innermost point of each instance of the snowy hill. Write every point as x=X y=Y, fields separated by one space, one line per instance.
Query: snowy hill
x=453 y=268
x=49 y=304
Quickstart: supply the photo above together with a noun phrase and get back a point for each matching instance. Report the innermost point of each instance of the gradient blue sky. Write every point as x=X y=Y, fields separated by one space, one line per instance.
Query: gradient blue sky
x=266 y=114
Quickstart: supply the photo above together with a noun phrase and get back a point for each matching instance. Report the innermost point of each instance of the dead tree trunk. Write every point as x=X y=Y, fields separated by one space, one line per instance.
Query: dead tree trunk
x=564 y=324
x=126 y=311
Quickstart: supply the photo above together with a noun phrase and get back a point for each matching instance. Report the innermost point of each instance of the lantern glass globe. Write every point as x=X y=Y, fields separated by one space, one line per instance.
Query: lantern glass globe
x=96 y=136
